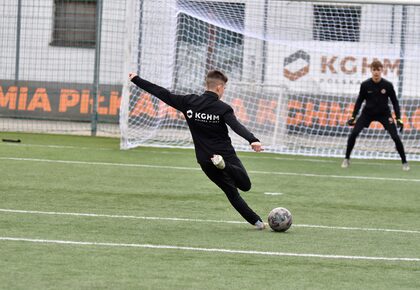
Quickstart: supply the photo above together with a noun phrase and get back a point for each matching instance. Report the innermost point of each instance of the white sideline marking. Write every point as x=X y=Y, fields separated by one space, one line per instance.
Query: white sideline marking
x=198 y=220
x=98 y=163
x=335 y=176
x=357 y=229
x=211 y=250
x=195 y=169
x=119 y=216
x=273 y=193
x=191 y=148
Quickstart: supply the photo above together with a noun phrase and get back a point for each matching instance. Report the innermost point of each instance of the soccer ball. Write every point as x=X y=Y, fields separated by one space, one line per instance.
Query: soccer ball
x=280 y=219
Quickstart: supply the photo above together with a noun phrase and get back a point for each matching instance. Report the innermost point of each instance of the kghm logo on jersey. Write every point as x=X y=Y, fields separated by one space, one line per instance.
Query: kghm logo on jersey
x=203 y=117
x=189 y=114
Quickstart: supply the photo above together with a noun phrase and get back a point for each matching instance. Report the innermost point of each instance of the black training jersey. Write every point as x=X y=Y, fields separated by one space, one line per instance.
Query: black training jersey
x=376 y=96
x=206 y=116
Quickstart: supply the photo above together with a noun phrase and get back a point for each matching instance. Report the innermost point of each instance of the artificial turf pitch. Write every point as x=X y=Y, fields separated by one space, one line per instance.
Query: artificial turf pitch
x=78 y=213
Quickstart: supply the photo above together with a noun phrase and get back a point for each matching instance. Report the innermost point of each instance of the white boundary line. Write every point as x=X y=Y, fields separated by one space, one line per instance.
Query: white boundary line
x=99 y=163
x=211 y=250
x=198 y=220
x=119 y=216
x=273 y=193
x=358 y=229
x=195 y=169
x=190 y=154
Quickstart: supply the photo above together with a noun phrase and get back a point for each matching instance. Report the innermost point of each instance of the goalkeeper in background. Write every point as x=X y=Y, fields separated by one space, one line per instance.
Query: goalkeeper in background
x=376 y=91
x=207 y=116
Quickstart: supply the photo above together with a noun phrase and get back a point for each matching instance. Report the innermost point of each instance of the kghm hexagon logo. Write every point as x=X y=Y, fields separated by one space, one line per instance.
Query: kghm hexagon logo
x=300 y=59
x=189 y=114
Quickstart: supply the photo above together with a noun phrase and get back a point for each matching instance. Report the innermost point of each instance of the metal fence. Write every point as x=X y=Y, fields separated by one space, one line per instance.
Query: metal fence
x=61 y=65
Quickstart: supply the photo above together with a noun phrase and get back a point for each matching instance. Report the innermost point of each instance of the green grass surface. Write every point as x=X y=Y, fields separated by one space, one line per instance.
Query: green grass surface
x=69 y=174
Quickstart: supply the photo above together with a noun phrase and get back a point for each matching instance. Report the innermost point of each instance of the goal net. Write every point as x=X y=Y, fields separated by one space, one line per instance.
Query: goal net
x=294 y=70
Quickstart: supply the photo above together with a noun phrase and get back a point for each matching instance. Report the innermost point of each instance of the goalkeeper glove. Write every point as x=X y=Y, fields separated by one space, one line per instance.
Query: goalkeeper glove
x=352 y=121
x=400 y=125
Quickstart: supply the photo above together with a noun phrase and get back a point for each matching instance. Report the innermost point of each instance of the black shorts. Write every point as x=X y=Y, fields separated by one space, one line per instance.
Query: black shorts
x=385 y=119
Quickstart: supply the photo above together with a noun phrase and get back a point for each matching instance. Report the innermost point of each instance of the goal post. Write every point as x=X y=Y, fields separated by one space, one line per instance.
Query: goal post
x=294 y=69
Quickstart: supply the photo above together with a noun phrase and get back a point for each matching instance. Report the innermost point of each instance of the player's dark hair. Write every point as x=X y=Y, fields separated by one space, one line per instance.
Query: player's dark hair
x=376 y=64
x=215 y=78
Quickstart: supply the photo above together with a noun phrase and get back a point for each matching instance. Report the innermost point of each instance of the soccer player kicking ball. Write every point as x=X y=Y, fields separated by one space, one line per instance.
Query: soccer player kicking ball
x=207 y=117
x=376 y=91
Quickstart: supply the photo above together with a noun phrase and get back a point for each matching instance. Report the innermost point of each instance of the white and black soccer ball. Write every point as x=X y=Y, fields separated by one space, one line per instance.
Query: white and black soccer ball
x=280 y=219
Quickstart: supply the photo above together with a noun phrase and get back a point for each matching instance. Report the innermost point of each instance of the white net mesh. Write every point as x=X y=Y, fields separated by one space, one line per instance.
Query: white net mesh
x=294 y=71
x=47 y=62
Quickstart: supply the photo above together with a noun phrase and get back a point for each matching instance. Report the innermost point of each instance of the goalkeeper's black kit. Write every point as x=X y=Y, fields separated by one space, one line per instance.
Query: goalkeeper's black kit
x=207 y=117
x=376 y=96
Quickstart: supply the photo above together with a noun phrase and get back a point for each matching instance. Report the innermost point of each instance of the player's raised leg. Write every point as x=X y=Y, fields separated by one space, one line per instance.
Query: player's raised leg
x=235 y=169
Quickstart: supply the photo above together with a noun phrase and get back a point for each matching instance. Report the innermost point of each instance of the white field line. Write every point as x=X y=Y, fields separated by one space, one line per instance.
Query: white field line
x=358 y=162
x=212 y=250
x=119 y=216
x=273 y=193
x=164 y=152
x=197 y=220
x=195 y=169
x=99 y=163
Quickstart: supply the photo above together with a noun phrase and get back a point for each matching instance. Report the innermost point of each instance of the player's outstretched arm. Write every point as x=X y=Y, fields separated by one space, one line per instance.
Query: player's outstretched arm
x=242 y=131
x=176 y=101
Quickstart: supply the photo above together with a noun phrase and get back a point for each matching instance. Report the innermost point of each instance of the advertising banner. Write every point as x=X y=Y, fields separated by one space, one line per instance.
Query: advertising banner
x=58 y=101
